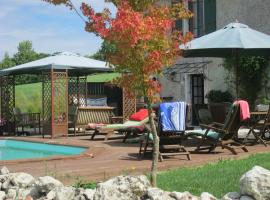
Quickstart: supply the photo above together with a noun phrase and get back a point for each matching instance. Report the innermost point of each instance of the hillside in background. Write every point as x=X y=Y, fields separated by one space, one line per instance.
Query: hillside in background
x=28 y=97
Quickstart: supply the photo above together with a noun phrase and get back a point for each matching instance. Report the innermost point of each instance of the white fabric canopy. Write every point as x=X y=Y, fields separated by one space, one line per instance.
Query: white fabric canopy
x=74 y=63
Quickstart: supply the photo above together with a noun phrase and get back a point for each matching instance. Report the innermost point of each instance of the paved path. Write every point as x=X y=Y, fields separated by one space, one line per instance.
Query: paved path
x=112 y=158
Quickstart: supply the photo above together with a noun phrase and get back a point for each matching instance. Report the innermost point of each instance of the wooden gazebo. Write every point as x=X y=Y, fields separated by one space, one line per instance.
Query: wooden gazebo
x=63 y=78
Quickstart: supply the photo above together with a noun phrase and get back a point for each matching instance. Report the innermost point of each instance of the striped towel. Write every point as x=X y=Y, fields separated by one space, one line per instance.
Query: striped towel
x=173 y=116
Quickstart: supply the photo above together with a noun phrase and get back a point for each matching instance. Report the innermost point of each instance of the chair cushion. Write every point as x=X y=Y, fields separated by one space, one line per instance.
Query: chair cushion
x=97 y=102
x=211 y=134
x=140 y=115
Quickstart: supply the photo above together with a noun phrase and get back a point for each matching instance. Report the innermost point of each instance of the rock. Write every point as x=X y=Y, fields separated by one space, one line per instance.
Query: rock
x=23 y=193
x=2 y=195
x=5 y=185
x=158 y=194
x=28 y=198
x=89 y=194
x=183 y=196
x=207 y=196
x=46 y=183
x=246 y=198
x=22 y=180
x=34 y=192
x=64 y=193
x=12 y=193
x=4 y=170
x=122 y=188
x=80 y=197
x=4 y=177
x=231 y=196
x=256 y=183
x=51 y=195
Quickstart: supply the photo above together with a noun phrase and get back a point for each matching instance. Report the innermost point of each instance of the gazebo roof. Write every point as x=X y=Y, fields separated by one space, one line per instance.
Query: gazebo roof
x=74 y=63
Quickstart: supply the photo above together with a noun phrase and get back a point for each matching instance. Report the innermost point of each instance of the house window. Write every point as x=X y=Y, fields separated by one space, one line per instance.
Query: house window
x=178 y=22
x=204 y=19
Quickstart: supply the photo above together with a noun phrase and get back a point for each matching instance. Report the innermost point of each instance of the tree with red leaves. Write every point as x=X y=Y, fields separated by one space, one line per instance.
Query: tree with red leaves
x=144 y=40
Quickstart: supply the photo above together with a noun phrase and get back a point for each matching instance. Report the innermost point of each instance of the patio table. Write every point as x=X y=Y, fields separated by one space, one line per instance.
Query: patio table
x=257 y=125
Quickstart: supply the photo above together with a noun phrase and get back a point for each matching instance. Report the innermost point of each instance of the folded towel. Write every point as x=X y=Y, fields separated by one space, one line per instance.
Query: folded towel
x=173 y=116
x=244 y=110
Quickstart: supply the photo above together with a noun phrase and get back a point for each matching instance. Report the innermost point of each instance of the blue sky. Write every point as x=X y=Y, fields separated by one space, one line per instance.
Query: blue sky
x=50 y=28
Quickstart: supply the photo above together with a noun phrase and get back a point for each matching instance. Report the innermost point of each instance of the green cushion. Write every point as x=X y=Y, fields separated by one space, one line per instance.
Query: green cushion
x=211 y=134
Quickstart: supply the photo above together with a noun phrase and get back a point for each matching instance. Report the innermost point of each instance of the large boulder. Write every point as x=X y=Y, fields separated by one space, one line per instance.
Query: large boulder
x=256 y=183
x=22 y=180
x=122 y=188
x=46 y=183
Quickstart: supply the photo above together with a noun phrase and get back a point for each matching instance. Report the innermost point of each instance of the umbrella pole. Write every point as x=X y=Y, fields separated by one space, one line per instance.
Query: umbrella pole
x=237 y=62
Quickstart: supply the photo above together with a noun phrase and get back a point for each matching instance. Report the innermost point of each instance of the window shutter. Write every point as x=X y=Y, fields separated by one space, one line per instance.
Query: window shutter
x=209 y=16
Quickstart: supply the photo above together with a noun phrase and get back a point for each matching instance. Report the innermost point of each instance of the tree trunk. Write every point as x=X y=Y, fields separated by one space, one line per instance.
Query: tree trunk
x=153 y=175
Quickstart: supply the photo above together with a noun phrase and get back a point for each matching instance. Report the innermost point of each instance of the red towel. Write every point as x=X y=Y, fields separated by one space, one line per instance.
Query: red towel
x=244 y=110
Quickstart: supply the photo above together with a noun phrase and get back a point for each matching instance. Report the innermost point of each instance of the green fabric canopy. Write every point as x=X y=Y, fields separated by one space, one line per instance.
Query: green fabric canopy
x=102 y=77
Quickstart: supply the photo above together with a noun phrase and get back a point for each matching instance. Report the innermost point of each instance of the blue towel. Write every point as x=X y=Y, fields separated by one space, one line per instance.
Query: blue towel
x=173 y=116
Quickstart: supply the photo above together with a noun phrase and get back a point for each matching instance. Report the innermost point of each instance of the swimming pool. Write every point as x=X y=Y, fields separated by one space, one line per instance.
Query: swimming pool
x=14 y=150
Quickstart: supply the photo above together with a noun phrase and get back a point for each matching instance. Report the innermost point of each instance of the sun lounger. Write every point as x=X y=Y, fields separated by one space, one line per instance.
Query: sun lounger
x=127 y=128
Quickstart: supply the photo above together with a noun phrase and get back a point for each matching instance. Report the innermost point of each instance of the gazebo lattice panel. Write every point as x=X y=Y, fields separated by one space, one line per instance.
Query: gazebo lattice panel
x=55 y=103
x=77 y=89
x=129 y=105
x=46 y=103
x=7 y=97
x=59 y=104
x=8 y=102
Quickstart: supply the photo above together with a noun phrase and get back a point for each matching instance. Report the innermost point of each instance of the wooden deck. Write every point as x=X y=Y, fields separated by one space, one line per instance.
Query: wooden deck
x=111 y=158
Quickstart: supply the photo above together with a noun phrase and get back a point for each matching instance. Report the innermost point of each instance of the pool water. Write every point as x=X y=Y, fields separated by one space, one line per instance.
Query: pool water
x=14 y=149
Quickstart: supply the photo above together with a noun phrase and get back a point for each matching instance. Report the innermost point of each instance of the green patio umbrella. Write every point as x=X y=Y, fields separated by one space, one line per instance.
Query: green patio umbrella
x=232 y=41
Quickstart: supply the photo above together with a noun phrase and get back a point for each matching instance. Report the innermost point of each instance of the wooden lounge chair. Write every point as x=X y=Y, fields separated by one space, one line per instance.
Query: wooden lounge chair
x=127 y=128
x=80 y=117
x=170 y=141
x=259 y=127
x=220 y=134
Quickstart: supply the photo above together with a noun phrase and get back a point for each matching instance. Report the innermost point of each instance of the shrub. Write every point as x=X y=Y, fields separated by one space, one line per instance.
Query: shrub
x=217 y=96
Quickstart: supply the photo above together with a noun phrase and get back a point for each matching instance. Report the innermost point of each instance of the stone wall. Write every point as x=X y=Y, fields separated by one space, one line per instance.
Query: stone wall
x=254 y=185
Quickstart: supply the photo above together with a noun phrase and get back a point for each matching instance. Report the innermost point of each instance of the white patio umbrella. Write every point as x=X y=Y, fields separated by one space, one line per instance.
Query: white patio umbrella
x=234 y=40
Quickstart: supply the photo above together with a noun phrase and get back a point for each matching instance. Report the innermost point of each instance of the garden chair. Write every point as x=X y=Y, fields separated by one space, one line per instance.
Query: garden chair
x=171 y=131
x=259 y=127
x=26 y=119
x=220 y=134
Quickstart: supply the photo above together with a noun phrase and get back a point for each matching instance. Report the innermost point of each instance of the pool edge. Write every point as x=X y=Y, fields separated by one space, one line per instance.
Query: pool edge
x=84 y=154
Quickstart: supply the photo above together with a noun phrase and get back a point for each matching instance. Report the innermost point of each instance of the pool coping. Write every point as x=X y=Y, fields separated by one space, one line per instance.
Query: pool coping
x=84 y=154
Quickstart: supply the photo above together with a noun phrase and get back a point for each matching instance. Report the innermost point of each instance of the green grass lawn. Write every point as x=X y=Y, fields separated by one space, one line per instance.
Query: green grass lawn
x=217 y=179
